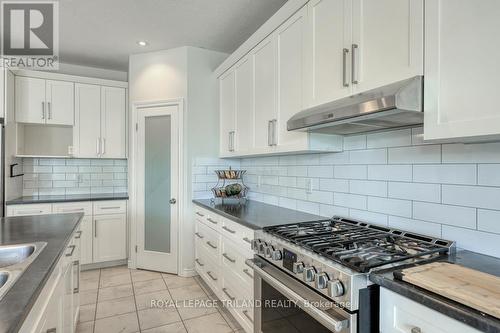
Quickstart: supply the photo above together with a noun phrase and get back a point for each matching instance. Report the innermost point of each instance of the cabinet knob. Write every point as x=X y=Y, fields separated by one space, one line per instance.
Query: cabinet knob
x=173 y=201
x=416 y=330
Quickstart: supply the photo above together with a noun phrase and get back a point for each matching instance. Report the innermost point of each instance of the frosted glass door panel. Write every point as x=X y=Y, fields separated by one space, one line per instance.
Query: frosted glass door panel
x=157 y=183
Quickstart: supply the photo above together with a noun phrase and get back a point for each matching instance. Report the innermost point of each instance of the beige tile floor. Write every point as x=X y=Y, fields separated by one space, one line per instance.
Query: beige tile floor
x=118 y=300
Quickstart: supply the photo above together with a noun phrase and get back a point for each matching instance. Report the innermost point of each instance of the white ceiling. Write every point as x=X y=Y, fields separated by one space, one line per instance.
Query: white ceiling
x=102 y=33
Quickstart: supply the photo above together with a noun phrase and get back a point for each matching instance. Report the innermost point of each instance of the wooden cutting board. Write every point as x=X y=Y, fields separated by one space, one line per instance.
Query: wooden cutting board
x=475 y=289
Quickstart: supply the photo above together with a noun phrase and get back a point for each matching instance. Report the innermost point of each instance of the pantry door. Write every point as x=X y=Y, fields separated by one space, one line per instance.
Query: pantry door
x=157 y=188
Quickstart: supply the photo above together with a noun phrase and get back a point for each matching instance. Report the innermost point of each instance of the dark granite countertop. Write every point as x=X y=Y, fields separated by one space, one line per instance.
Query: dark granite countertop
x=455 y=310
x=257 y=215
x=67 y=198
x=56 y=230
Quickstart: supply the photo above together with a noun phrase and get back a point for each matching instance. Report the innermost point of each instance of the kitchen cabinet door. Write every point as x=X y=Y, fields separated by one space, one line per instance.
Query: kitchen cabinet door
x=30 y=103
x=328 y=51
x=67 y=278
x=88 y=121
x=387 y=43
x=227 y=111
x=244 y=105
x=60 y=99
x=264 y=58
x=86 y=240
x=290 y=40
x=113 y=123
x=109 y=237
x=461 y=70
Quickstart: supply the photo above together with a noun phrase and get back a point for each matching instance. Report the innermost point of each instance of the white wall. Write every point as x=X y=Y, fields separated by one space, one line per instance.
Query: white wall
x=185 y=73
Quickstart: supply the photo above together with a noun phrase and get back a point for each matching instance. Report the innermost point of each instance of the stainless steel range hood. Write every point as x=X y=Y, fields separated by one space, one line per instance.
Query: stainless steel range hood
x=396 y=105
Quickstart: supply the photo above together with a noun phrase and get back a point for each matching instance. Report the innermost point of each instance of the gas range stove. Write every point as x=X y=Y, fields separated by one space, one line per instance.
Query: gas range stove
x=335 y=256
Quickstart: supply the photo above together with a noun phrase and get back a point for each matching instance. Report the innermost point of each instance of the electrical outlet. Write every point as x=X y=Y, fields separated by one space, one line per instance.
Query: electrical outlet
x=309 y=186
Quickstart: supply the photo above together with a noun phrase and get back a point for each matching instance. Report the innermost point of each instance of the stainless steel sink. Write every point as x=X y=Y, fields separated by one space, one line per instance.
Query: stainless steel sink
x=14 y=260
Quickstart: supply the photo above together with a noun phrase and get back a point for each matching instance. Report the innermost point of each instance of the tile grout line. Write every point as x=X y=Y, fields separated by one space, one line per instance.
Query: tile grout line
x=175 y=304
x=97 y=299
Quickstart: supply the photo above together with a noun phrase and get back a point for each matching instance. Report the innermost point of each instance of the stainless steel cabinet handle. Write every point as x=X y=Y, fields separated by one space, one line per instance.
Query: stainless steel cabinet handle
x=269 y=130
x=245 y=312
x=30 y=212
x=229 y=258
x=229 y=141
x=209 y=273
x=103 y=143
x=43 y=110
x=211 y=245
x=232 y=298
x=199 y=214
x=72 y=250
x=247 y=272
x=111 y=207
x=76 y=290
x=199 y=262
x=79 y=234
x=51 y=330
x=416 y=330
x=345 y=52
x=210 y=220
x=246 y=239
x=49 y=110
x=228 y=230
x=95 y=228
x=98 y=146
x=198 y=235
x=274 y=137
x=354 y=74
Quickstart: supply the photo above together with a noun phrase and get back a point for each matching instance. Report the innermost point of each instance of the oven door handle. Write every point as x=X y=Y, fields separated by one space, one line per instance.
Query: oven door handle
x=321 y=316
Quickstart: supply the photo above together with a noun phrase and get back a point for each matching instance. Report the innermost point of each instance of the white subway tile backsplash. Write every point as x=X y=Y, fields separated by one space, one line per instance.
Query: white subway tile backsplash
x=488 y=220
x=370 y=156
x=368 y=187
x=287 y=181
x=297 y=171
x=334 y=185
x=460 y=174
x=472 y=196
x=390 y=206
x=390 y=172
x=421 y=227
x=355 y=142
x=350 y=171
x=350 y=200
x=415 y=155
x=367 y=216
x=488 y=174
x=415 y=191
x=334 y=158
x=64 y=169
x=331 y=211
x=287 y=203
x=472 y=153
x=478 y=241
x=397 y=138
x=320 y=197
x=308 y=207
x=322 y=171
x=452 y=215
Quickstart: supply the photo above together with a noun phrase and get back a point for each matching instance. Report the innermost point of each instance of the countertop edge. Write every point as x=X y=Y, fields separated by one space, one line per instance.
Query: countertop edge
x=19 y=201
x=447 y=307
x=226 y=215
x=43 y=282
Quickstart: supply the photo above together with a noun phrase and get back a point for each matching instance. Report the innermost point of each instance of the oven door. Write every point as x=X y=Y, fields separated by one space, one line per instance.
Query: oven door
x=284 y=304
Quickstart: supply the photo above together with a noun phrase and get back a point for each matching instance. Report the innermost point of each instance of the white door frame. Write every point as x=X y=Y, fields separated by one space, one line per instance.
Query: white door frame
x=133 y=213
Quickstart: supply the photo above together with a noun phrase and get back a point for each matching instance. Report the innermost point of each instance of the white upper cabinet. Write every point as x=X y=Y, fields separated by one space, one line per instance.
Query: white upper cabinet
x=88 y=125
x=264 y=58
x=461 y=70
x=290 y=42
x=227 y=108
x=30 y=100
x=113 y=122
x=244 y=105
x=387 y=42
x=60 y=102
x=327 y=51
x=40 y=101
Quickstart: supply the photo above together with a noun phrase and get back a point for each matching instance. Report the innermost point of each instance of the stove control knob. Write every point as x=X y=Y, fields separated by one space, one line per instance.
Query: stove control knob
x=262 y=247
x=335 y=288
x=321 y=281
x=269 y=251
x=255 y=245
x=276 y=255
x=309 y=273
x=298 y=267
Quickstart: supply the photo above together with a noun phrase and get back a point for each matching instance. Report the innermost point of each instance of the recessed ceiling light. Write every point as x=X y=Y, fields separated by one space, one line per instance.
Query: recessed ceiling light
x=142 y=43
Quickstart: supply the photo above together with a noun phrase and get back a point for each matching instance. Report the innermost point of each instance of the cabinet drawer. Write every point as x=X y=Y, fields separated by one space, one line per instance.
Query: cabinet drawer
x=110 y=207
x=31 y=209
x=211 y=274
x=210 y=219
x=73 y=207
x=210 y=240
x=234 y=261
x=240 y=234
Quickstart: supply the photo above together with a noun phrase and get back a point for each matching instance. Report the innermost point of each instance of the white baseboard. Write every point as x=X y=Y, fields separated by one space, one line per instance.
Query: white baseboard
x=188 y=272
x=103 y=264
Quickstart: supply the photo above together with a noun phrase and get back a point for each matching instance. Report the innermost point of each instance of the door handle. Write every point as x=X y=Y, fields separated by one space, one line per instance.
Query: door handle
x=345 y=52
x=173 y=201
x=354 y=74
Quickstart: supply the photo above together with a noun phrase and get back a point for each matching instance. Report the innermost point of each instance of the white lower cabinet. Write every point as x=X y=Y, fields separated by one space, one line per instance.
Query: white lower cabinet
x=103 y=230
x=57 y=307
x=221 y=248
x=399 y=314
